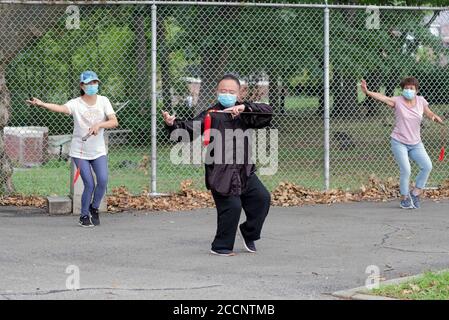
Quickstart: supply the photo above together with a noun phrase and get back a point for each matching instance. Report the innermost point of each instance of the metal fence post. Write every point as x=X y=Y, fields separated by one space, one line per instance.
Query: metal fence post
x=326 y=98
x=153 y=99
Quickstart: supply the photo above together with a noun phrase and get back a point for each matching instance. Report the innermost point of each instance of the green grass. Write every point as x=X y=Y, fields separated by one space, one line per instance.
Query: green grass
x=301 y=166
x=301 y=103
x=44 y=181
x=431 y=286
x=300 y=159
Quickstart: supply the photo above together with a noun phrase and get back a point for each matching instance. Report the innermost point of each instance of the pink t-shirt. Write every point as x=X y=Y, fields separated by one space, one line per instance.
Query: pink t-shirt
x=407 y=128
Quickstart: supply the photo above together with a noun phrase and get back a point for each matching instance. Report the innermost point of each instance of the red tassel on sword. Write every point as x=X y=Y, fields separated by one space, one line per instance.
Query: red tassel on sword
x=207 y=125
x=441 y=158
x=77 y=174
x=443 y=134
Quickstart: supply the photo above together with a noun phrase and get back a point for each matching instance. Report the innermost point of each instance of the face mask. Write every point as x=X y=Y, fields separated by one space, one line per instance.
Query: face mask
x=408 y=94
x=91 y=89
x=227 y=100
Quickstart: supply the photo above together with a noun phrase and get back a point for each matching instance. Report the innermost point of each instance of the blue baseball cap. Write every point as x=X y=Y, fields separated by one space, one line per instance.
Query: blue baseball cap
x=88 y=76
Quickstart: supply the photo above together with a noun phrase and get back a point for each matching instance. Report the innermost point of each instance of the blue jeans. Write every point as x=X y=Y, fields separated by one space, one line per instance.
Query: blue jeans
x=100 y=167
x=402 y=152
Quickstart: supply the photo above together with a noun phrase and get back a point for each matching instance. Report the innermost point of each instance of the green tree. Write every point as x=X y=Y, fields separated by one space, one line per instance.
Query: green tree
x=17 y=29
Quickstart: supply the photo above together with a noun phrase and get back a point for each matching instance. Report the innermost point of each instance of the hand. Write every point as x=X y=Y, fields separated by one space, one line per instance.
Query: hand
x=169 y=120
x=35 y=102
x=94 y=129
x=235 y=111
x=364 y=87
x=436 y=118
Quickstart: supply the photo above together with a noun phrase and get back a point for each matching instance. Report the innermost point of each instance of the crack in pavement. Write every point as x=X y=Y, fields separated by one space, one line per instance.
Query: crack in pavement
x=387 y=236
x=41 y=293
x=415 y=251
x=278 y=239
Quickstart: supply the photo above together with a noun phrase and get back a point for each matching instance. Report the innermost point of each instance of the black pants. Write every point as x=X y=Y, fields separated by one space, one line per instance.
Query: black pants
x=255 y=200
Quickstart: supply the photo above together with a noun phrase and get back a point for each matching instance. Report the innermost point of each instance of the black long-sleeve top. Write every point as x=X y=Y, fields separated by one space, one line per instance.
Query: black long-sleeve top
x=228 y=173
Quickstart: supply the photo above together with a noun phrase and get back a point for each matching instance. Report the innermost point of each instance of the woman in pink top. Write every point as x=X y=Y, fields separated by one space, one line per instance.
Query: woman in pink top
x=406 y=137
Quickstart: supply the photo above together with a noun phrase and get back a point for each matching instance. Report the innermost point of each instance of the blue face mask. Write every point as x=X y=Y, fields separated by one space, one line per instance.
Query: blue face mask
x=227 y=100
x=408 y=94
x=91 y=89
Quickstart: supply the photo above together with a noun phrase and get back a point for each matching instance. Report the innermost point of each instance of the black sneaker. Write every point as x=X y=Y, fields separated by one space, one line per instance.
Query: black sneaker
x=95 y=217
x=85 y=222
x=222 y=252
x=250 y=246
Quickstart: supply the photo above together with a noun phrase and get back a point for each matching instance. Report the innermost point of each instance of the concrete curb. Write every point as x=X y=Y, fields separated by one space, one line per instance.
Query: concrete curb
x=362 y=293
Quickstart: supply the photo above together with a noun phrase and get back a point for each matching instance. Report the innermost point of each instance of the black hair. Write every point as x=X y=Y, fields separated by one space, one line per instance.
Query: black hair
x=82 y=93
x=229 y=76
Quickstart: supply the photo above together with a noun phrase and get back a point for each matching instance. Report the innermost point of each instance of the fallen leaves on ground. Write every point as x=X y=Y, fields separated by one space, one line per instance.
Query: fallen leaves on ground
x=289 y=194
x=286 y=194
x=186 y=199
x=411 y=289
x=415 y=287
x=23 y=201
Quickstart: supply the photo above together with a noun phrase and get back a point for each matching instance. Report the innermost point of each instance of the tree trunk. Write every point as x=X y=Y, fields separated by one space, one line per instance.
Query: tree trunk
x=213 y=63
x=344 y=84
x=141 y=55
x=20 y=25
x=6 y=186
x=320 y=92
x=374 y=82
x=321 y=102
x=345 y=95
x=214 y=59
x=275 y=92
x=164 y=52
x=390 y=86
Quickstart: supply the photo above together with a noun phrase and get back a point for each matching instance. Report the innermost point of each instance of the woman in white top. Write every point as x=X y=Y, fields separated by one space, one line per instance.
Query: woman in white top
x=92 y=113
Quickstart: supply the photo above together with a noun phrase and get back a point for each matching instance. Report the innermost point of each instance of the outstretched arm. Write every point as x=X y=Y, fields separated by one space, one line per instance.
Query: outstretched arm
x=49 y=106
x=376 y=95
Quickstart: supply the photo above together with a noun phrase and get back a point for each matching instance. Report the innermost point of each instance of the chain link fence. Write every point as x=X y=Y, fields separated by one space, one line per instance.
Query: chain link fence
x=153 y=56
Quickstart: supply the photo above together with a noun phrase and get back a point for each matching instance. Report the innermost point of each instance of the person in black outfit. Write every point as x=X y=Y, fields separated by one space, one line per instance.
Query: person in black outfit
x=233 y=182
